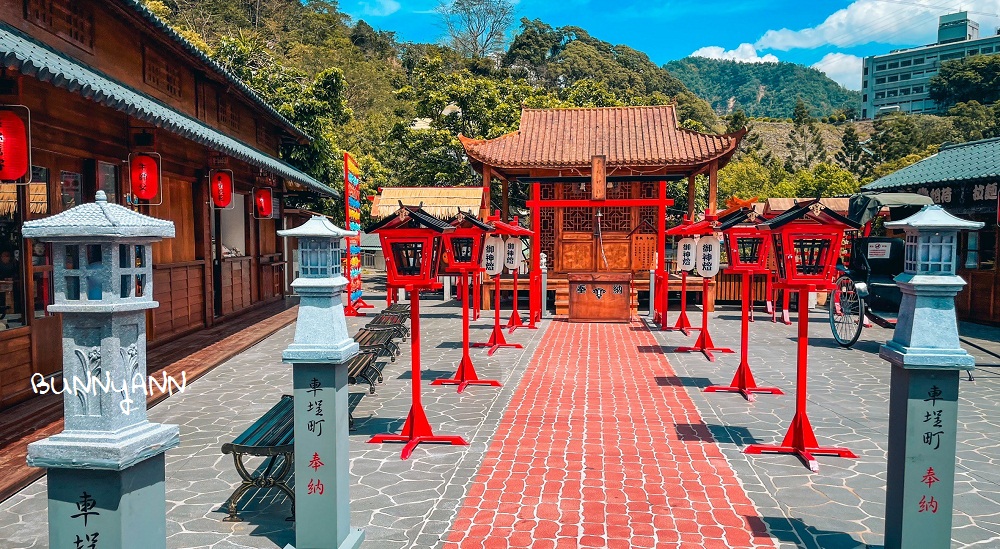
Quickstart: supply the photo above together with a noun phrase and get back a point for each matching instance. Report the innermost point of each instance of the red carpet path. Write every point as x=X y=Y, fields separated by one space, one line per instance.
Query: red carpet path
x=588 y=454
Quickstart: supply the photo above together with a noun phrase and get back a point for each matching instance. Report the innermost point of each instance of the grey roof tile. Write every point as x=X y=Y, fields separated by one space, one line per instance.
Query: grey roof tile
x=975 y=160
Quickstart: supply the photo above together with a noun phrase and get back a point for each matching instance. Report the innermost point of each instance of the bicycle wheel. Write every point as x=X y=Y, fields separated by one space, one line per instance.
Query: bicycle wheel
x=847 y=311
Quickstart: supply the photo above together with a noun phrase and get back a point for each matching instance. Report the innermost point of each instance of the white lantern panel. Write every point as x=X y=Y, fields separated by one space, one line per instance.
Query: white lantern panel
x=707 y=256
x=513 y=257
x=686 y=254
x=492 y=260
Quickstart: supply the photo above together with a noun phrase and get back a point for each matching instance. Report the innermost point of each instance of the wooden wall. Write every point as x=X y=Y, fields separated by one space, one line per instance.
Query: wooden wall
x=236 y=289
x=178 y=206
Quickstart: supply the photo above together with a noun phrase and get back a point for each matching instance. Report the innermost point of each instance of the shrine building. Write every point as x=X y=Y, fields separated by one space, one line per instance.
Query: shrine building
x=598 y=182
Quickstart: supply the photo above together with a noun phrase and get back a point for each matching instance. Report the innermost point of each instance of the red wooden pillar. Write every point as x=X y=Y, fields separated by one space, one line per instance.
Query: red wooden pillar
x=536 y=299
x=662 y=278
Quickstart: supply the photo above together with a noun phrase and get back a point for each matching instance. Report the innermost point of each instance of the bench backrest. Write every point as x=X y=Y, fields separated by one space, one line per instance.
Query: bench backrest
x=274 y=428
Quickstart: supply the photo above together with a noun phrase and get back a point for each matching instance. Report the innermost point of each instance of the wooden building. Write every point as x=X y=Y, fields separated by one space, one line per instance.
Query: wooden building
x=106 y=79
x=598 y=180
x=964 y=179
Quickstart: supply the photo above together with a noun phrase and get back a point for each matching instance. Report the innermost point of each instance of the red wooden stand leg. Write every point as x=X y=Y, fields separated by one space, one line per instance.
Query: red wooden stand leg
x=476 y=295
x=768 y=291
x=515 y=317
x=663 y=293
x=800 y=439
x=683 y=324
x=466 y=374
x=416 y=429
x=743 y=382
x=497 y=338
x=704 y=343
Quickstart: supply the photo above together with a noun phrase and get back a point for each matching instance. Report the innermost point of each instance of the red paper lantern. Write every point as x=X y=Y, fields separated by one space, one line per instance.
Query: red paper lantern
x=262 y=198
x=145 y=176
x=222 y=189
x=13 y=147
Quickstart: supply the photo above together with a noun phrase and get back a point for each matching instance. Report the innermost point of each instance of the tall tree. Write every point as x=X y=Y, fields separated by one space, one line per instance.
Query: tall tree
x=805 y=144
x=852 y=156
x=973 y=121
x=477 y=28
x=975 y=78
x=752 y=144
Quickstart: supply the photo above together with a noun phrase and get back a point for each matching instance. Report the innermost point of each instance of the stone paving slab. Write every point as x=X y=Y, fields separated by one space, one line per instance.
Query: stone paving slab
x=400 y=504
x=593 y=452
x=843 y=505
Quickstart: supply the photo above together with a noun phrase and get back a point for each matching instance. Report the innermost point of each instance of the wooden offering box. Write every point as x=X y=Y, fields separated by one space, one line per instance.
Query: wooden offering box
x=599 y=297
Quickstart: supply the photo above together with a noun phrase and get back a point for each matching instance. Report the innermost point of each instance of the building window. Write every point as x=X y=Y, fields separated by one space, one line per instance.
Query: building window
x=880 y=67
x=864 y=113
x=905 y=63
x=864 y=98
x=973 y=52
x=880 y=80
x=228 y=115
x=879 y=95
x=865 y=72
x=165 y=77
x=894 y=78
x=233 y=228
x=987 y=50
x=894 y=65
x=955 y=55
x=980 y=249
x=891 y=93
x=70 y=20
x=918 y=89
x=918 y=60
x=864 y=84
x=904 y=91
x=904 y=76
x=70 y=189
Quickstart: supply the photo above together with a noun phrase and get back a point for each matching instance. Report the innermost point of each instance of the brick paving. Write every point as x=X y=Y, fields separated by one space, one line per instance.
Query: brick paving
x=595 y=451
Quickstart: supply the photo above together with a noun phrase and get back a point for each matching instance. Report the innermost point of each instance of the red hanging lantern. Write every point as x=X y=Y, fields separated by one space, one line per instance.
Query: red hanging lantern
x=221 y=188
x=144 y=176
x=13 y=147
x=262 y=200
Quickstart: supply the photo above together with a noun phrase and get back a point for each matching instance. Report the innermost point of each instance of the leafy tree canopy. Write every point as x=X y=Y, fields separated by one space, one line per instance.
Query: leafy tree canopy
x=974 y=78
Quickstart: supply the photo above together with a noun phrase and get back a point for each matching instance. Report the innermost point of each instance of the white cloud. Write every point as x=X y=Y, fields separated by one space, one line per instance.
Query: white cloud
x=379 y=8
x=744 y=53
x=843 y=68
x=883 y=21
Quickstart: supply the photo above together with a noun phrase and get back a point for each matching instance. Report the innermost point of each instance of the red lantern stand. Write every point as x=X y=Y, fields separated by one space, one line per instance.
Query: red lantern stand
x=807 y=241
x=683 y=324
x=462 y=251
x=477 y=288
x=497 y=339
x=512 y=230
x=748 y=250
x=704 y=343
x=410 y=240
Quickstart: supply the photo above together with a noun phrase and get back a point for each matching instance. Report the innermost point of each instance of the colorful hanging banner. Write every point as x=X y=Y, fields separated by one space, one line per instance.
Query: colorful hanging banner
x=352 y=216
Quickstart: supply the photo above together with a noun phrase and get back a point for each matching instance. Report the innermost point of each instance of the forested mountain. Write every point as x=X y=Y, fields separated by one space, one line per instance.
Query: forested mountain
x=763 y=89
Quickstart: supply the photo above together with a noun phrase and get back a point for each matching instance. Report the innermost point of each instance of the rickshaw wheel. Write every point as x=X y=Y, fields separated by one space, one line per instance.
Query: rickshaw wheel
x=847 y=310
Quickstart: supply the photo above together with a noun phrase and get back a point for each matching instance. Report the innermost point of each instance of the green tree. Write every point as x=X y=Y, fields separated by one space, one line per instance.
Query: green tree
x=975 y=78
x=899 y=134
x=973 y=121
x=752 y=144
x=805 y=144
x=852 y=156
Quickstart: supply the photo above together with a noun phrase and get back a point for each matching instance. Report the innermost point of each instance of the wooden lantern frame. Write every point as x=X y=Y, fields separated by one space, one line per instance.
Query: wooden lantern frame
x=737 y=238
x=806 y=254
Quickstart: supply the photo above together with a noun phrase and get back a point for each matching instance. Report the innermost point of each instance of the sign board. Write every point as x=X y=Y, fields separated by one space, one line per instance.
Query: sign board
x=707 y=256
x=686 y=254
x=513 y=255
x=492 y=260
x=878 y=250
x=352 y=215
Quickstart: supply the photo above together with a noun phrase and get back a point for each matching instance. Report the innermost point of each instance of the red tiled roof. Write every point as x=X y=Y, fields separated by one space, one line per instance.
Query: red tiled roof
x=627 y=136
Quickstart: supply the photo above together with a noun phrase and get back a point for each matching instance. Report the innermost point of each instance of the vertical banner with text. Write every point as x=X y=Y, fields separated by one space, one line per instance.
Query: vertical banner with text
x=352 y=218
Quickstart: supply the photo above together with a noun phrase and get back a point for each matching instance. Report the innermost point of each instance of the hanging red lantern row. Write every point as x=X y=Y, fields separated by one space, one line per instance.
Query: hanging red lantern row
x=144 y=176
x=263 y=202
x=221 y=188
x=14 y=147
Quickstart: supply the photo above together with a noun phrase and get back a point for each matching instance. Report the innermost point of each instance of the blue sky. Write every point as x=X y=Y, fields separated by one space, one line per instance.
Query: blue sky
x=832 y=35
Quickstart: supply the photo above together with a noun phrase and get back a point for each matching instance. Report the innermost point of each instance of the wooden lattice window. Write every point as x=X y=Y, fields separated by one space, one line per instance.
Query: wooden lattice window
x=547 y=192
x=70 y=20
x=265 y=135
x=228 y=114
x=547 y=226
x=647 y=219
x=648 y=189
x=577 y=191
x=578 y=220
x=160 y=74
x=617 y=220
x=621 y=190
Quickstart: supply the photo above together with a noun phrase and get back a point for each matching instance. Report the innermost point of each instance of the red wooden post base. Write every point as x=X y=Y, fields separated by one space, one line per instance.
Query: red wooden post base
x=466 y=374
x=497 y=339
x=416 y=429
x=683 y=324
x=800 y=439
x=704 y=342
x=515 y=317
x=743 y=382
x=354 y=309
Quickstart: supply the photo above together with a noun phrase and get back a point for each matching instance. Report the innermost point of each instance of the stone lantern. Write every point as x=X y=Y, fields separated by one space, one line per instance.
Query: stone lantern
x=106 y=469
x=319 y=355
x=926 y=360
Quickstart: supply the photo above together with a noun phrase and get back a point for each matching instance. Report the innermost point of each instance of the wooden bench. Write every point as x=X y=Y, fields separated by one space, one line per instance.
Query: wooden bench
x=353 y=399
x=366 y=367
x=397 y=308
x=393 y=321
x=379 y=342
x=269 y=437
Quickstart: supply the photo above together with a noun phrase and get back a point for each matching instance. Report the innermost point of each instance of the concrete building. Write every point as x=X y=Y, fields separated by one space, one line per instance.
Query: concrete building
x=900 y=80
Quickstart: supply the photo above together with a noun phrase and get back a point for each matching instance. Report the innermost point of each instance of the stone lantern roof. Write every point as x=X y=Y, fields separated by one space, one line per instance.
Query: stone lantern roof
x=317 y=227
x=933 y=217
x=98 y=220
